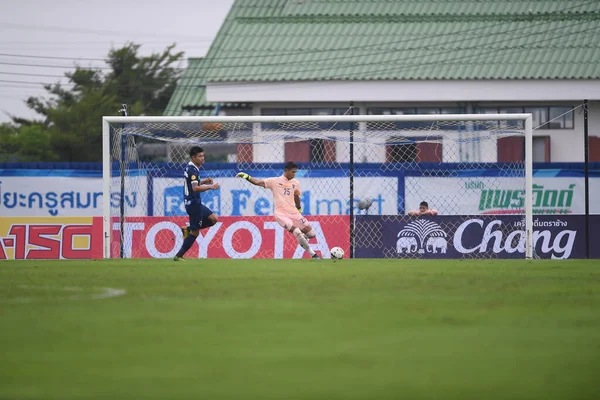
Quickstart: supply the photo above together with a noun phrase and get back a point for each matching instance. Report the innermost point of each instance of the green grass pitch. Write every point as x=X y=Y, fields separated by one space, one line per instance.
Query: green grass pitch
x=299 y=329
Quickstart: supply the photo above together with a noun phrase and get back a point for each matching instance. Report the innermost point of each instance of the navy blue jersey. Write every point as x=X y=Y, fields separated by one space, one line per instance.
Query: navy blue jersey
x=191 y=174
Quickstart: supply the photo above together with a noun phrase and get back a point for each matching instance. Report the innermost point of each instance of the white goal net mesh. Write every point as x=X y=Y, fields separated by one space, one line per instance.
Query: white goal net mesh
x=470 y=173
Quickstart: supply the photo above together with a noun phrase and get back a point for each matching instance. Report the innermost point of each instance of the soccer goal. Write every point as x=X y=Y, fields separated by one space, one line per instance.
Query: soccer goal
x=364 y=182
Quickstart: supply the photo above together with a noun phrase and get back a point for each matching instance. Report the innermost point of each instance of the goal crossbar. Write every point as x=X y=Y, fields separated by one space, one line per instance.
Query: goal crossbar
x=321 y=118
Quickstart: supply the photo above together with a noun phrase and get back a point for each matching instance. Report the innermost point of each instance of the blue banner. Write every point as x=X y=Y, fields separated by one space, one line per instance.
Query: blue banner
x=479 y=236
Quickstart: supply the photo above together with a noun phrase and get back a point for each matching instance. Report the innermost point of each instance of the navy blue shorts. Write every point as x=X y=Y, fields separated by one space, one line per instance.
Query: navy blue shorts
x=198 y=215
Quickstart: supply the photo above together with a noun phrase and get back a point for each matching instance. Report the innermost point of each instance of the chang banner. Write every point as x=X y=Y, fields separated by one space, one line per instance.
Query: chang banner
x=500 y=195
x=231 y=237
x=27 y=238
x=481 y=236
x=320 y=196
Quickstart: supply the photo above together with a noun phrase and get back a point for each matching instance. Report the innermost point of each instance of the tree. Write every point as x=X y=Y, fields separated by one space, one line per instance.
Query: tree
x=29 y=143
x=147 y=82
x=7 y=145
x=70 y=123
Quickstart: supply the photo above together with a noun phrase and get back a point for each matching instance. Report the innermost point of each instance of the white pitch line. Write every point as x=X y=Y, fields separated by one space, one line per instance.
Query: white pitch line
x=105 y=293
x=109 y=292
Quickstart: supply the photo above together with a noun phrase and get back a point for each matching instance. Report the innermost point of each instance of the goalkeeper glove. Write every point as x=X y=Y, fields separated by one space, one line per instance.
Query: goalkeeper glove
x=243 y=175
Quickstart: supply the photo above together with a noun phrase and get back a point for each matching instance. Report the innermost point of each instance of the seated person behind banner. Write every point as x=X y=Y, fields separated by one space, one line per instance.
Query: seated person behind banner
x=423 y=210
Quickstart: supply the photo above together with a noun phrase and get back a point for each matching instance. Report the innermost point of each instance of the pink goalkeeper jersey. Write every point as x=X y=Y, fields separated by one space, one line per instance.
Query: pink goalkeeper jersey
x=283 y=193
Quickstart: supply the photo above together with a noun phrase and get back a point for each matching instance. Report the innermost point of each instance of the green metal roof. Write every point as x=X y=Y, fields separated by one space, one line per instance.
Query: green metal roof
x=306 y=40
x=190 y=95
x=427 y=7
x=190 y=90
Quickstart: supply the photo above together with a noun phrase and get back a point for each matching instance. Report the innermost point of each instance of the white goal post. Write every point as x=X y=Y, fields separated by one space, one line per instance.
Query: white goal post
x=364 y=150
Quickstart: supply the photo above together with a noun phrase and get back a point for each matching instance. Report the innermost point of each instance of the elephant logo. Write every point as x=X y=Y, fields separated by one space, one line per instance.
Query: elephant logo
x=406 y=244
x=436 y=243
x=422 y=236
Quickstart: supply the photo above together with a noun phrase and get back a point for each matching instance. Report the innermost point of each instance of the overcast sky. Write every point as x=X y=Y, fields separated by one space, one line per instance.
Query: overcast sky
x=73 y=29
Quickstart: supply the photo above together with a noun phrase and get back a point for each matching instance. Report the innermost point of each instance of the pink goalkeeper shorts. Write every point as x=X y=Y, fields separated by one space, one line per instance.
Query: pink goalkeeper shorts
x=287 y=220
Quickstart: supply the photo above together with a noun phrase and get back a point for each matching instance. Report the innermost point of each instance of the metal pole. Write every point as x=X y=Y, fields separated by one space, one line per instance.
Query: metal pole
x=352 y=182
x=529 y=250
x=122 y=199
x=586 y=186
x=106 y=180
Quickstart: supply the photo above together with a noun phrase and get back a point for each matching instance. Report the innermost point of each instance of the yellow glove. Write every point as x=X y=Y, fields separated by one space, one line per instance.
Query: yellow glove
x=243 y=175
x=299 y=209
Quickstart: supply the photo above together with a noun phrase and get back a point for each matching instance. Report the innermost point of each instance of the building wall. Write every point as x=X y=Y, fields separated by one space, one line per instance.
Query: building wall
x=594 y=130
x=565 y=145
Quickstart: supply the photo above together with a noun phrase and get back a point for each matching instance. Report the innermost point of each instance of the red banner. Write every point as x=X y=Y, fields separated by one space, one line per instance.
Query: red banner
x=231 y=237
x=27 y=238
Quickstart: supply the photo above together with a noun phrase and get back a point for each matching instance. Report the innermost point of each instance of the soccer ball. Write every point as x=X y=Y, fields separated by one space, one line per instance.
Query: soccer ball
x=365 y=203
x=337 y=253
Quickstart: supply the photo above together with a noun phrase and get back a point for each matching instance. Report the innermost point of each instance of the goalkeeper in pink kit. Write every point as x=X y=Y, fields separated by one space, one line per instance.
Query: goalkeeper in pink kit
x=286 y=196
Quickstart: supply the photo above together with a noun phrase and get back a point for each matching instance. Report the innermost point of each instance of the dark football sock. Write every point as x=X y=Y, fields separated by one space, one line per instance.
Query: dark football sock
x=187 y=243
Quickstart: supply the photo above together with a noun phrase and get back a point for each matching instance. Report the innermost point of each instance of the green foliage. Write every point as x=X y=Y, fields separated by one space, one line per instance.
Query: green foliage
x=70 y=128
x=146 y=82
x=29 y=143
x=7 y=134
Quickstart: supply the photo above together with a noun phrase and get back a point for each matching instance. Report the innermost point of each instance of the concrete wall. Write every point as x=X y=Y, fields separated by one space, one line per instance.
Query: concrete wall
x=566 y=145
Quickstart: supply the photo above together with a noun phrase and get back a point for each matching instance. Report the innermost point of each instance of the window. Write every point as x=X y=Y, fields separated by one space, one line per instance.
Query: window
x=427 y=111
x=541 y=149
x=323 y=111
x=539 y=115
x=317 y=150
x=413 y=111
x=561 y=118
x=512 y=149
x=308 y=111
x=511 y=124
x=554 y=117
x=399 y=149
x=273 y=111
x=298 y=111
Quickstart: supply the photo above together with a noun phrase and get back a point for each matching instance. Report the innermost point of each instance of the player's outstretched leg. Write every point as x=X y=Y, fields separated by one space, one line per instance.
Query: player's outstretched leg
x=209 y=221
x=310 y=233
x=304 y=243
x=187 y=243
x=185 y=231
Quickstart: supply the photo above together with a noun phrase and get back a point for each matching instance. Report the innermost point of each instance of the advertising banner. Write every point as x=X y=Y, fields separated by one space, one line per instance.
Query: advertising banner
x=67 y=196
x=556 y=237
x=231 y=237
x=500 y=195
x=320 y=196
x=50 y=238
x=594 y=236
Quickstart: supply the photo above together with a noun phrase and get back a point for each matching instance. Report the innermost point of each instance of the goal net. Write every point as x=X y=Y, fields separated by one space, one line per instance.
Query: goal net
x=363 y=181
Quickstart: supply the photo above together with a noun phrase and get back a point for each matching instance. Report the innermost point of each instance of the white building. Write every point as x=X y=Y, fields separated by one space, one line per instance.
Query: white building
x=279 y=57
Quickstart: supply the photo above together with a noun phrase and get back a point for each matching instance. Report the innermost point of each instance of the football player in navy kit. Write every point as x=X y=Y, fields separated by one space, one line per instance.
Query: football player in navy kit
x=201 y=217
